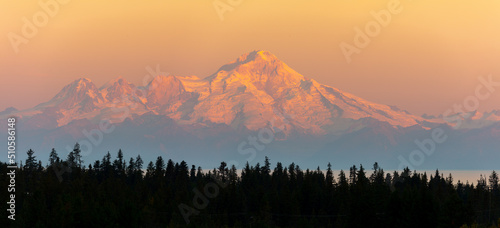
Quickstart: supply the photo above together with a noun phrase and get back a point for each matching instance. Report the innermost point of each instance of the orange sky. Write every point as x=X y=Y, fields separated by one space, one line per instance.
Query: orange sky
x=427 y=59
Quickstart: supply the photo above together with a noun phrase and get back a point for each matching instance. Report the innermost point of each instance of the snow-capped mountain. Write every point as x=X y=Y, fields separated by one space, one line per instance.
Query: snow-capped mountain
x=182 y=115
x=468 y=120
x=81 y=94
x=253 y=91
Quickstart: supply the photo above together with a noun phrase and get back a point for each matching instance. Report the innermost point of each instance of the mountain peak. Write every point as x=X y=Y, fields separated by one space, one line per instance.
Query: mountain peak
x=120 y=81
x=255 y=56
x=258 y=58
x=81 y=84
x=82 y=80
x=162 y=89
x=81 y=92
x=9 y=110
x=163 y=78
x=116 y=88
x=259 y=68
x=251 y=90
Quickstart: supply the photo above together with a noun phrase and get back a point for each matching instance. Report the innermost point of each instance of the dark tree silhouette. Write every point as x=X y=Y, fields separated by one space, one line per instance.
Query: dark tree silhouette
x=113 y=193
x=31 y=164
x=53 y=157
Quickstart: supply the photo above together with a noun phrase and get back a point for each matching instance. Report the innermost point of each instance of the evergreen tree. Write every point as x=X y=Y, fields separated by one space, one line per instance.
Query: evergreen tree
x=131 y=167
x=222 y=172
x=199 y=173
x=342 y=179
x=481 y=183
x=192 y=173
x=233 y=175
x=31 y=163
x=159 y=166
x=77 y=155
x=182 y=176
x=138 y=165
x=258 y=198
x=169 y=171
x=106 y=164
x=150 y=170
x=330 y=180
x=493 y=181
x=266 y=170
x=97 y=165
x=71 y=160
x=119 y=163
x=353 y=172
x=53 y=158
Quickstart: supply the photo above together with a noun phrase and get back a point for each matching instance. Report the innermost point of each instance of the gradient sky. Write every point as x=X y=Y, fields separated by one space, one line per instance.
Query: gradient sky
x=428 y=58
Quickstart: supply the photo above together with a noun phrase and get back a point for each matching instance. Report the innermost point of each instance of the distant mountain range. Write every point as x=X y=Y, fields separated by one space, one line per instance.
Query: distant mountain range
x=206 y=120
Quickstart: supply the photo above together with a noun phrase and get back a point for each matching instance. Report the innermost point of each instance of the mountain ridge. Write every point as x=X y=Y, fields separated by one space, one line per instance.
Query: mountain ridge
x=252 y=87
x=251 y=90
x=255 y=97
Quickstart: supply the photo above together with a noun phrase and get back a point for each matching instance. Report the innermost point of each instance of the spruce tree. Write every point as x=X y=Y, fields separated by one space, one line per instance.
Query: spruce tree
x=31 y=163
x=53 y=157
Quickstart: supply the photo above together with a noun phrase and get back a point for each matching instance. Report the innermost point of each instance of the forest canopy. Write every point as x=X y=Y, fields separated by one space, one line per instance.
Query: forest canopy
x=114 y=192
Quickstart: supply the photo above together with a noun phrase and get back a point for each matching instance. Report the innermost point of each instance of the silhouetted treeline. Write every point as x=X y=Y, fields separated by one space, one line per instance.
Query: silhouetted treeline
x=113 y=192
